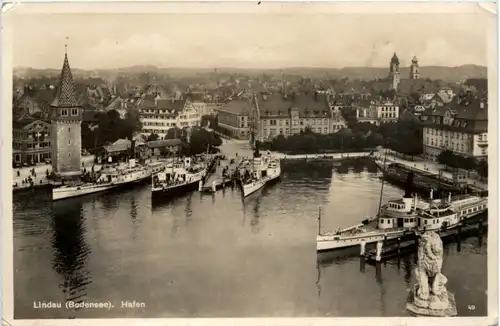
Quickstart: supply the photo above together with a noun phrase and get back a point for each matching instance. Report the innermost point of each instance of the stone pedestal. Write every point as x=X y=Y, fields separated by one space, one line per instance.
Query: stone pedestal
x=444 y=306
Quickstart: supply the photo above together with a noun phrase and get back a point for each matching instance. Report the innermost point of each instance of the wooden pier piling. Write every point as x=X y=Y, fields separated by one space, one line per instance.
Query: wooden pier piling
x=362 y=249
x=378 y=256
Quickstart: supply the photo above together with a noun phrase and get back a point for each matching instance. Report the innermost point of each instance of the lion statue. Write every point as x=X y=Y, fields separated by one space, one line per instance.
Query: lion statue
x=428 y=271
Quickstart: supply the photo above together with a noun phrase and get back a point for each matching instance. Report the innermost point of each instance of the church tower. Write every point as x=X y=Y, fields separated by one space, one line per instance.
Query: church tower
x=66 y=127
x=414 y=69
x=394 y=72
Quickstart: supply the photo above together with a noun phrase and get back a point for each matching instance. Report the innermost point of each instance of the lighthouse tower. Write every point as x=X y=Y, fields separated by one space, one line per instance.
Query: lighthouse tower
x=394 y=72
x=414 y=69
x=66 y=127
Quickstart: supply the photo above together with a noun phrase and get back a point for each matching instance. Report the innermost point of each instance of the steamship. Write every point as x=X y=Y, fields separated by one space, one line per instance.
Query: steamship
x=264 y=170
x=107 y=178
x=180 y=177
x=402 y=216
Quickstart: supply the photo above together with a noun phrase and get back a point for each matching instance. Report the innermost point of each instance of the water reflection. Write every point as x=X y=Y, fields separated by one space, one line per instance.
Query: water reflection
x=318 y=285
x=133 y=216
x=255 y=221
x=362 y=264
x=380 y=283
x=70 y=248
x=407 y=267
x=188 y=210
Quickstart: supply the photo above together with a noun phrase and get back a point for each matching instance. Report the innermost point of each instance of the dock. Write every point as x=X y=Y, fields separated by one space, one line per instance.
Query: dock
x=396 y=248
x=216 y=180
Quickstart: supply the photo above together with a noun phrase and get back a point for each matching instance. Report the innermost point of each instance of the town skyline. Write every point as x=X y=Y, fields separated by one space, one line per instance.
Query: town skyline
x=248 y=41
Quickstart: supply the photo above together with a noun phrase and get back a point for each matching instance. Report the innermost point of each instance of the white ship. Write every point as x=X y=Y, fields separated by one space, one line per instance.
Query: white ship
x=265 y=169
x=404 y=215
x=178 y=178
x=109 y=177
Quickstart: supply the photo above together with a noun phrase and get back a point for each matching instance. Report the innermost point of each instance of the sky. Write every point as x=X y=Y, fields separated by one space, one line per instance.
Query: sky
x=331 y=40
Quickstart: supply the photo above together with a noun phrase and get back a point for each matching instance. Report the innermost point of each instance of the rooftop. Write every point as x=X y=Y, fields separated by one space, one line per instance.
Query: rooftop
x=309 y=104
x=239 y=106
x=66 y=92
x=163 y=143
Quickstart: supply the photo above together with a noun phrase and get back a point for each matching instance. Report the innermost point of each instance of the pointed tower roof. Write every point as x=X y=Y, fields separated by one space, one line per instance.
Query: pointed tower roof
x=414 y=60
x=66 y=92
x=395 y=58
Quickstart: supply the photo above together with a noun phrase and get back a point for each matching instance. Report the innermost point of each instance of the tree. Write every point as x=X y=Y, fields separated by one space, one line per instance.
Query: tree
x=200 y=140
x=153 y=137
x=209 y=120
x=482 y=168
x=174 y=133
x=447 y=158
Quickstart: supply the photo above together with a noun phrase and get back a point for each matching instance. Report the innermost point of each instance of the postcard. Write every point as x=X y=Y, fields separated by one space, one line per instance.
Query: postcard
x=249 y=163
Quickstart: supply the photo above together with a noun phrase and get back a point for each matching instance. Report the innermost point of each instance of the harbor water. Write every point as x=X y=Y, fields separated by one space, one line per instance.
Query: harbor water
x=222 y=256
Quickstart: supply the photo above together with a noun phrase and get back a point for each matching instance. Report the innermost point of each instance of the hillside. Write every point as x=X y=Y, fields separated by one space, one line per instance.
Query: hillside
x=451 y=74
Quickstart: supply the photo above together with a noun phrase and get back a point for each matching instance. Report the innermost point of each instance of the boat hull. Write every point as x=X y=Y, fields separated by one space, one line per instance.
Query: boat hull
x=327 y=243
x=59 y=193
x=171 y=192
x=249 y=189
x=398 y=175
x=78 y=191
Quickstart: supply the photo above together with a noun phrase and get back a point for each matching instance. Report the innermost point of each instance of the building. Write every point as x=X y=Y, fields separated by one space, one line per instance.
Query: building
x=32 y=141
x=412 y=84
x=234 y=118
x=377 y=111
x=162 y=147
x=459 y=127
x=439 y=99
x=158 y=115
x=289 y=114
x=66 y=127
x=394 y=72
x=201 y=104
x=414 y=69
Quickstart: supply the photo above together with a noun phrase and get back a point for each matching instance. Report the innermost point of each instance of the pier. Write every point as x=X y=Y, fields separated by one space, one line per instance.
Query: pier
x=392 y=249
x=217 y=179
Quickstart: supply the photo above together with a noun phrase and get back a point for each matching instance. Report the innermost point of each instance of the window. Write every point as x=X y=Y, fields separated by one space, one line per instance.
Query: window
x=69 y=129
x=69 y=154
x=74 y=112
x=69 y=141
x=64 y=112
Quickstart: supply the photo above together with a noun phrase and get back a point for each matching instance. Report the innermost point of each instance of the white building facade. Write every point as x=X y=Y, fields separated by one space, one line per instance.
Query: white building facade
x=160 y=115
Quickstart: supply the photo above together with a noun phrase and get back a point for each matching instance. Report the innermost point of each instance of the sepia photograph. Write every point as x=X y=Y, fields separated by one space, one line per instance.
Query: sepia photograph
x=249 y=160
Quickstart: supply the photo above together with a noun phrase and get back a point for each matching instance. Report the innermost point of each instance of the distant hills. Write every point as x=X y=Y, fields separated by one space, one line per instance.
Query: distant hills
x=451 y=74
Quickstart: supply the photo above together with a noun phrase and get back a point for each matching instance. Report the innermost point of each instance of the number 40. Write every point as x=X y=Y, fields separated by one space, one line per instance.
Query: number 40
x=471 y=307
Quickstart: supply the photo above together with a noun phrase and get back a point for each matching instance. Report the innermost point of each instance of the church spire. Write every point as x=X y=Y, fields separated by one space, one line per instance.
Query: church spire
x=66 y=92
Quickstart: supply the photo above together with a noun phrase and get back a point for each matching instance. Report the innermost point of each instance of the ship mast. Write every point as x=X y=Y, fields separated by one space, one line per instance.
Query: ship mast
x=382 y=187
x=319 y=220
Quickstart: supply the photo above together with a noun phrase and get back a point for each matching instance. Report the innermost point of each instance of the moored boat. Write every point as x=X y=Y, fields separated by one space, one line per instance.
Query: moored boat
x=181 y=177
x=423 y=181
x=107 y=178
x=405 y=216
x=265 y=170
x=402 y=216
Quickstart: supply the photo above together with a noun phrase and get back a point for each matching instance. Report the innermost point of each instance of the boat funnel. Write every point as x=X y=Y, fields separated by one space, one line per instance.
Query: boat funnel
x=409 y=185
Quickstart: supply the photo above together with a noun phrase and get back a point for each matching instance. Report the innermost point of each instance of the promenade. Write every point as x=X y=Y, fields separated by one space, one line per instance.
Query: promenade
x=40 y=175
